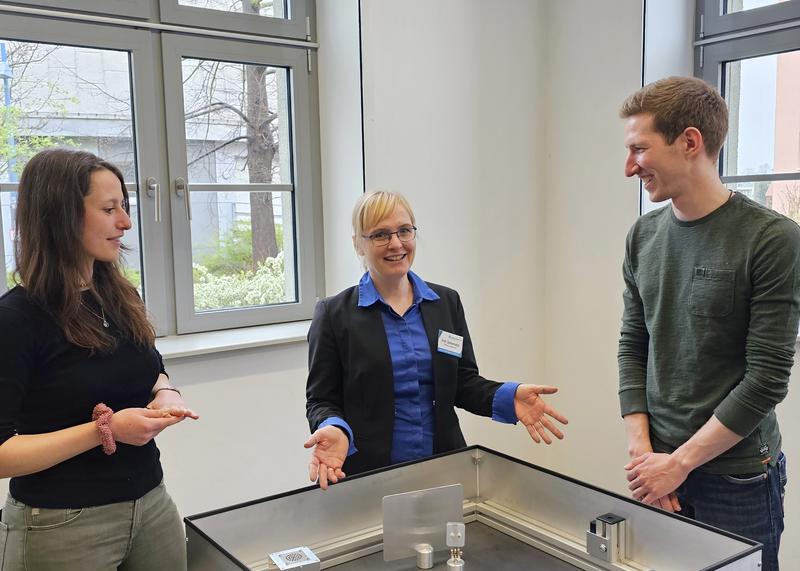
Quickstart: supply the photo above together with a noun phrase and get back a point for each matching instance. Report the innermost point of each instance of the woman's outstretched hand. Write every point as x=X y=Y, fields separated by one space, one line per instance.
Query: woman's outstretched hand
x=536 y=414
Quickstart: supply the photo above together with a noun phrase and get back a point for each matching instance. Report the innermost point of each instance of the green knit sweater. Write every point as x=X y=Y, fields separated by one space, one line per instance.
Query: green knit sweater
x=709 y=327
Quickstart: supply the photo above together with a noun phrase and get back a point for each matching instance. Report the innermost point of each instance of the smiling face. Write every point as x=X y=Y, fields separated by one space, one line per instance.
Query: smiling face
x=393 y=260
x=660 y=166
x=105 y=219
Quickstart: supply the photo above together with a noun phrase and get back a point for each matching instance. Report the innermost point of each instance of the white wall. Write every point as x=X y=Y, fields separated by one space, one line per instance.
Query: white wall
x=453 y=106
x=589 y=207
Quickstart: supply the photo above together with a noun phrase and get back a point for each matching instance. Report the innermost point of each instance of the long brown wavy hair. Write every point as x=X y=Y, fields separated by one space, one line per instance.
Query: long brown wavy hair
x=50 y=253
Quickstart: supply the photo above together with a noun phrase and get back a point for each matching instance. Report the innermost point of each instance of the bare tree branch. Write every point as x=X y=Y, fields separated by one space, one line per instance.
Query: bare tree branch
x=215 y=149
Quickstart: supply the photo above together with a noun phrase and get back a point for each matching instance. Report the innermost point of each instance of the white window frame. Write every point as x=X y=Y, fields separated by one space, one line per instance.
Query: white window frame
x=752 y=40
x=163 y=228
x=711 y=21
x=140 y=9
x=296 y=26
x=176 y=47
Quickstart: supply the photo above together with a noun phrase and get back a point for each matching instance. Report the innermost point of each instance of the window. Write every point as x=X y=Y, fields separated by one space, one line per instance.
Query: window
x=222 y=201
x=757 y=70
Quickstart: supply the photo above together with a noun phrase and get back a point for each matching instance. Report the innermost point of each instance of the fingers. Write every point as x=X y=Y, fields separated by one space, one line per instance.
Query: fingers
x=534 y=433
x=538 y=433
x=332 y=477
x=311 y=442
x=313 y=470
x=552 y=428
x=164 y=421
x=152 y=412
x=665 y=504
x=323 y=476
x=550 y=411
x=543 y=433
x=673 y=499
x=179 y=411
x=636 y=461
x=544 y=389
x=541 y=430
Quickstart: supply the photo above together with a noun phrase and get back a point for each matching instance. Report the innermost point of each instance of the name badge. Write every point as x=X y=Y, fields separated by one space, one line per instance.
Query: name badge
x=450 y=343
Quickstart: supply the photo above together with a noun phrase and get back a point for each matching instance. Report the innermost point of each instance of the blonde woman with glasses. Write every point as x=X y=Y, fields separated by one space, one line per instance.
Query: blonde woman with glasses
x=391 y=357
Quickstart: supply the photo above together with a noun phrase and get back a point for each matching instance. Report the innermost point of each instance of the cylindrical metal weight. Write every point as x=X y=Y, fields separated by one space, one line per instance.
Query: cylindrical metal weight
x=424 y=555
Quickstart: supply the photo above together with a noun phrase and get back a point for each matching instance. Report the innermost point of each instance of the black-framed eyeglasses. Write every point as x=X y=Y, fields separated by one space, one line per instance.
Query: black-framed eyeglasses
x=383 y=237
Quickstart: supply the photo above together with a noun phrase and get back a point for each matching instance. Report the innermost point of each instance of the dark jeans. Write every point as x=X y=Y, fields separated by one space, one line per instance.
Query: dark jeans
x=750 y=505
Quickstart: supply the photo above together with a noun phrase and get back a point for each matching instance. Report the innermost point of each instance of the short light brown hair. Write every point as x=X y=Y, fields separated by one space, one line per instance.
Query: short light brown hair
x=374 y=206
x=680 y=102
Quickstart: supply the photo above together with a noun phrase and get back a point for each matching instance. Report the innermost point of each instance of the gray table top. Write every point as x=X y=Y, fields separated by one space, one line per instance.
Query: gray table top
x=486 y=550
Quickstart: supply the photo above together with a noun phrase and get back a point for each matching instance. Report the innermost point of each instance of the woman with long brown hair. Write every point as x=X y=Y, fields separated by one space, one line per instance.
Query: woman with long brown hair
x=83 y=391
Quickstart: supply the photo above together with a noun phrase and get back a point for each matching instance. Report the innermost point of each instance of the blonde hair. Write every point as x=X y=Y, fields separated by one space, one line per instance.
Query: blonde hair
x=677 y=103
x=374 y=206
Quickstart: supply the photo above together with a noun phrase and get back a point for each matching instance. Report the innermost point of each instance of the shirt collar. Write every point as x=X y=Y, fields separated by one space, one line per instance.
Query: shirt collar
x=368 y=293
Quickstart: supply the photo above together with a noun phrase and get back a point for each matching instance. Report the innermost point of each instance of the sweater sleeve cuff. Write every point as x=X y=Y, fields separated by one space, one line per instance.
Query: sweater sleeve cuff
x=342 y=424
x=632 y=400
x=737 y=418
x=503 y=403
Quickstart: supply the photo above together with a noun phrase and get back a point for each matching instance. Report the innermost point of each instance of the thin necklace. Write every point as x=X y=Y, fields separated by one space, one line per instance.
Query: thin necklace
x=101 y=316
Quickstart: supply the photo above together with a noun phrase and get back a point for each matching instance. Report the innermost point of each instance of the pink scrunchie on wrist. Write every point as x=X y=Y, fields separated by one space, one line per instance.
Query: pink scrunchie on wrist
x=101 y=415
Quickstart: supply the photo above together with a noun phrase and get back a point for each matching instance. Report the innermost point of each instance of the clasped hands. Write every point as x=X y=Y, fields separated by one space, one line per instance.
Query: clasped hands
x=654 y=477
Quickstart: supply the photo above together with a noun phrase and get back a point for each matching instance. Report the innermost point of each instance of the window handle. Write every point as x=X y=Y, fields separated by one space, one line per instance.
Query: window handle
x=182 y=191
x=153 y=190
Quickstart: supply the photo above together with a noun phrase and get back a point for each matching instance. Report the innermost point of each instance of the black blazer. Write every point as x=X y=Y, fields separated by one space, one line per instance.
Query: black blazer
x=350 y=375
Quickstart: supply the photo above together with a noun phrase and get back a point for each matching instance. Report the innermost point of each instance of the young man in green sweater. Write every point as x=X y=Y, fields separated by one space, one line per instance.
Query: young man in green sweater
x=712 y=302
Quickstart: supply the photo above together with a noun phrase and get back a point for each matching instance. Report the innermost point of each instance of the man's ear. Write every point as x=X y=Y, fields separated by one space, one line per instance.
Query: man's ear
x=693 y=140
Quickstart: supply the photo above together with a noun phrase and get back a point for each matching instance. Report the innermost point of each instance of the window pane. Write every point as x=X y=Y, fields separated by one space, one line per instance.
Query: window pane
x=243 y=251
x=742 y=5
x=269 y=8
x=782 y=196
x=66 y=96
x=764 y=134
x=237 y=122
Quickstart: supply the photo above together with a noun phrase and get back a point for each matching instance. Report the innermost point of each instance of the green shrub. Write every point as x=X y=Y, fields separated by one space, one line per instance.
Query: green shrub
x=264 y=286
x=233 y=251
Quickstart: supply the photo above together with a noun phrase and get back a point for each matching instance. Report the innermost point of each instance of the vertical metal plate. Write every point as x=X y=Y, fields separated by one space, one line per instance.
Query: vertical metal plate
x=418 y=517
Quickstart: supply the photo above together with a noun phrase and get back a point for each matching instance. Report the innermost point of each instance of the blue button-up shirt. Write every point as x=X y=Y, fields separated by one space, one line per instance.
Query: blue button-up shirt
x=412 y=368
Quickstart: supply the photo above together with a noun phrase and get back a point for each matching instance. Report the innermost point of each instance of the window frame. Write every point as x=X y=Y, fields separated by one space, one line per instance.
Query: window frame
x=140 y=9
x=305 y=181
x=712 y=54
x=297 y=26
x=144 y=103
x=153 y=134
x=710 y=22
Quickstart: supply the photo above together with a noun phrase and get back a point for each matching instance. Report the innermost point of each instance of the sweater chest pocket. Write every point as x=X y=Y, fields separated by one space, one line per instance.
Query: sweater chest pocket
x=712 y=292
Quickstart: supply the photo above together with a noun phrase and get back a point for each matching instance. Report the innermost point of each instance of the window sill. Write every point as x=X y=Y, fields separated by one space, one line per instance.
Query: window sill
x=177 y=346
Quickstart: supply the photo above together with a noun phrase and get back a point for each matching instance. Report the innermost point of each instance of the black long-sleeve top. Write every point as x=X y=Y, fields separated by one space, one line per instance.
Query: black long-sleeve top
x=48 y=384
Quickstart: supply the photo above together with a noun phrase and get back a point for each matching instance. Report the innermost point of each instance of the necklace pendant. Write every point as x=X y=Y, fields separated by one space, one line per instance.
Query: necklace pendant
x=105 y=324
